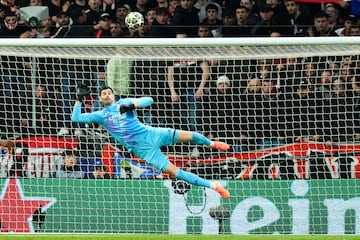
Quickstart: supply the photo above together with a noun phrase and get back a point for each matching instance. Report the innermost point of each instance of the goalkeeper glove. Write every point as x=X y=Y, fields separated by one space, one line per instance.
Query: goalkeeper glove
x=126 y=107
x=82 y=91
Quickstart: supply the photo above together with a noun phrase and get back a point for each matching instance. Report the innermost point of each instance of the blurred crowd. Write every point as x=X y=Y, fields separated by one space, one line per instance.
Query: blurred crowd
x=177 y=18
x=251 y=104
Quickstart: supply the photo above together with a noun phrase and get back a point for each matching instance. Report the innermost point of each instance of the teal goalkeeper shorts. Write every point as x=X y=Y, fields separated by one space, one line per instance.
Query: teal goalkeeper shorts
x=148 y=146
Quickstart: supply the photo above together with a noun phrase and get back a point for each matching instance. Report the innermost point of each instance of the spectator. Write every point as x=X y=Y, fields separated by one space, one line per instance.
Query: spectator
x=109 y=6
x=281 y=16
x=270 y=114
x=186 y=82
x=289 y=72
x=355 y=30
x=223 y=116
x=267 y=24
x=9 y=6
x=228 y=19
x=302 y=114
x=140 y=6
x=212 y=21
x=204 y=31
x=323 y=92
x=55 y=7
x=120 y=14
x=300 y=19
x=3 y=11
x=71 y=168
x=264 y=67
x=150 y=15
x=355 y=86
x=162 y=4
x=115 y=30
x=333 y=13
x=346 y=73
x=241 y=27
x=341 y=123
x=323 y=99
x=63 y=25
x=249 y=100
x=42 y=31
x=172 y=5
x=201 y=6
x=79 y=29
x=346 y=29
x=220 y=114
x=343 y=8
x=99 y=171
x=160 y=27
x=309 y=72
x=93 y=12
x=253 y=17
x=186 y=18
x=330 y=62
x=35 y=2
x=66 y=27
x=103 y=27
x=149 y=79
x=321 y=26
x=253 y=86
x=74 y=73
x=12 y=29
x=47 y=112
x=118 y=76
x=80 y=4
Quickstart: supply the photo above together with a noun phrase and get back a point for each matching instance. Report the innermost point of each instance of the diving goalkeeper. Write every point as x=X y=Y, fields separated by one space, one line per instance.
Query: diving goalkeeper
x=144 y=141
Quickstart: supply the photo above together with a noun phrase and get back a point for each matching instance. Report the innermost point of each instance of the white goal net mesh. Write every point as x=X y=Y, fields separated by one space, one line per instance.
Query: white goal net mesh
x=289 y=112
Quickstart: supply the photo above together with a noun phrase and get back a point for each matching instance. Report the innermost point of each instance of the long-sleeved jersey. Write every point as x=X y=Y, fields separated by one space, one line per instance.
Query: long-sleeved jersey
x=125 y=128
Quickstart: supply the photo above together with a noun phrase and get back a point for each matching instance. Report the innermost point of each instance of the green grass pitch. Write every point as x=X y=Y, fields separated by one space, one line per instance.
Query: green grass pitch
x=172 y=237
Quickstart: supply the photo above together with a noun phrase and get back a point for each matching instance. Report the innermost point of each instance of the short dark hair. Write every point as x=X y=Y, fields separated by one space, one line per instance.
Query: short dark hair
x=70 y=152
x=10 y=14
x=162 y=11
x=105 y=88
x=321 y=14
x=242 y=7
x=265 y=8
x=212 y=7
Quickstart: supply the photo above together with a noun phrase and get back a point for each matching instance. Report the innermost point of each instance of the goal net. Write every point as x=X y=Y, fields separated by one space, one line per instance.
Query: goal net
x=289 y=108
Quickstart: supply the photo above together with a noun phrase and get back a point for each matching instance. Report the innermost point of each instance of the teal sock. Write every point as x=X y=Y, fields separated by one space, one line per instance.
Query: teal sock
x=197 y=138
x=192 y=179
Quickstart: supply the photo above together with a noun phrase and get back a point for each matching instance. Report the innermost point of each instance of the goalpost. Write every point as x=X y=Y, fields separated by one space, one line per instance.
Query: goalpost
x=294 y=163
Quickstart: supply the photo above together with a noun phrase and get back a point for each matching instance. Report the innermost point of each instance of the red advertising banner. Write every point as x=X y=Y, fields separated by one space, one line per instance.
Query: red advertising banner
x=306 y=160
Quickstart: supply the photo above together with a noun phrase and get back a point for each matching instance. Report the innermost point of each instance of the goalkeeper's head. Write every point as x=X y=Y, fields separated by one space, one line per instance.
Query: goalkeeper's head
x=106 y=96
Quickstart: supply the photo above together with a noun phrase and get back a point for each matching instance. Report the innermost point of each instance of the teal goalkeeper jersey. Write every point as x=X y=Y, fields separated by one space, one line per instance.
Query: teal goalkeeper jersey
x=125 y=128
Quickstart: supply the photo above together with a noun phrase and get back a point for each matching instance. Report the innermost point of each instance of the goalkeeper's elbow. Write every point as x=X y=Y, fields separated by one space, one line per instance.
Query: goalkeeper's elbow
x=145 y=102
x=75 y=119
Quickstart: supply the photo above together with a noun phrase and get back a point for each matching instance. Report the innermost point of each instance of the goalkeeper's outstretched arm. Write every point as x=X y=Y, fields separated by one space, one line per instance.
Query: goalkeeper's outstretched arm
x=143 y=102
x=79 y=117
x=136 y=103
